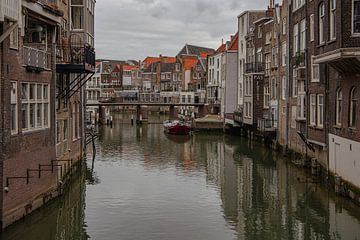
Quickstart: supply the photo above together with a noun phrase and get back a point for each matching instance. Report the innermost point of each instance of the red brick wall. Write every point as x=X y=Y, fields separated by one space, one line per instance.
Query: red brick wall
x=25 y=150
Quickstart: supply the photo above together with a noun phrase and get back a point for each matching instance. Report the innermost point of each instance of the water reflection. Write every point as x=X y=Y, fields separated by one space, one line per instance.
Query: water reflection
x=60 y=220
x=147 y=186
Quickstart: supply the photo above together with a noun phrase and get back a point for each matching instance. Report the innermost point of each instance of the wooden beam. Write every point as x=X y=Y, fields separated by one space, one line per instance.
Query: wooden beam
x=8 y=32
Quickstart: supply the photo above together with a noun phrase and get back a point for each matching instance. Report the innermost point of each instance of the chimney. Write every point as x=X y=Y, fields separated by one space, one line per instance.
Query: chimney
x=222 y=41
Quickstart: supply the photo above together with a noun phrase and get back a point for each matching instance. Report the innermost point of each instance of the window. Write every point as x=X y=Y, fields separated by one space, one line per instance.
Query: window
x=301 y=106
x=268 y=38
x=273 y=88
x=77 y=14
x=296 y=38
x=356 y=16
x=338 y=107
x=298 y=4
x=353 y=105
x=312 y=30
x=321 y=23
x=14 y=104
x=332 y=19
x=294 y=83
x=266 y=97
x=320 y=110
x=35 y=106
x=267 y=64
x=177 y=66
x=284 y=26
x=313 y=109
x=283 y=51
x=315 y=71
x=260 y=32
x=14 y=38
x=283 y=92
x=57 y=132
x=303 y=34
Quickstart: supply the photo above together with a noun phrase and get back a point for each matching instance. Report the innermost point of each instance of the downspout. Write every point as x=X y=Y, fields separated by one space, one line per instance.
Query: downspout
x=287 y=89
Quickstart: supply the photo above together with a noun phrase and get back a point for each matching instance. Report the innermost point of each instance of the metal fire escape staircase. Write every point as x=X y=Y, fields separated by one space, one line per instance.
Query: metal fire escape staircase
x=77 y=60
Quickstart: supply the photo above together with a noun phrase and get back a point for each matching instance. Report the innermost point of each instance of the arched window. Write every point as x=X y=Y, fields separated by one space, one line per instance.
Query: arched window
x=338 y=106
x=321 y=23
x=353 y=105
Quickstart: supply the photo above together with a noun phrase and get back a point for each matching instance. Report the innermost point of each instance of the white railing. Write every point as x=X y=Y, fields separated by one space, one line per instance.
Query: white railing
x=36 y=58
x=10 y=9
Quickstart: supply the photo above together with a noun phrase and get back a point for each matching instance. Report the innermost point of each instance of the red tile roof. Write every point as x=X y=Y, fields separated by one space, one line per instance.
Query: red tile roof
x=221 y=49
x=130 y=68
x=234 y=45
x=149 y=60
x=190 y=62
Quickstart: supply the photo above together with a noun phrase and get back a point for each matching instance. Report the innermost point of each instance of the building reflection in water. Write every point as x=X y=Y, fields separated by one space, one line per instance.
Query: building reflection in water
x=264 y=197
x=62 y=219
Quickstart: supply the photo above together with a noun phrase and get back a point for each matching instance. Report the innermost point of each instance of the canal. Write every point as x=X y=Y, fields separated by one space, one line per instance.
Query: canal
x=149 y=186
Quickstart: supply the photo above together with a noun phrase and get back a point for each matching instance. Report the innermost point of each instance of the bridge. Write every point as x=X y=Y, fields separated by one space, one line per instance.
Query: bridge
x=159 y=104
x=141 y=108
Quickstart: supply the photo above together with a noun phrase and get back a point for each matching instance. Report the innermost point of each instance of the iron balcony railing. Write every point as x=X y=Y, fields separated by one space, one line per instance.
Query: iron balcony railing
x=36 y=58
x=78 y=56
x=254 y=67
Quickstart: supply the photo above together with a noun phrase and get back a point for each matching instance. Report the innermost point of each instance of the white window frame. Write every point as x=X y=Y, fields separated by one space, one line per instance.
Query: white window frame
x=283 y=92
x=320 y=110
x=283 y=51
x=266 y=97
x=332 y=19
x=294 y=83
x=312 y=109
x=82 y=7
x=321 y=12
x=284 y=26
x=302 y=35
x=339 y=106
x=353 y=106
x=296 y=39
x=315 y=67
x=312 y=27
x=14 y=102
x=44 y=102
x=14 y=38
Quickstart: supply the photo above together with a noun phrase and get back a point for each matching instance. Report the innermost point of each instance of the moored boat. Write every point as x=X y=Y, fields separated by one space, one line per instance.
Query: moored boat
x=177 y=127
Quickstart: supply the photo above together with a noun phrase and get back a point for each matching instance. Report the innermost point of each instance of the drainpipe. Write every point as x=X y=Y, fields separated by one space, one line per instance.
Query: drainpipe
x=287 y=89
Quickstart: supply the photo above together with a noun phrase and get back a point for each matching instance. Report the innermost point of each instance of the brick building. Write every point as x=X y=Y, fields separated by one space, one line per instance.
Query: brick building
x=337 y=45
x=32 y=105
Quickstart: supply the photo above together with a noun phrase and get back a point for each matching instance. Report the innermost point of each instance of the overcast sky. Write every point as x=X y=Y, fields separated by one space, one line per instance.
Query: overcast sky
x=134 y=29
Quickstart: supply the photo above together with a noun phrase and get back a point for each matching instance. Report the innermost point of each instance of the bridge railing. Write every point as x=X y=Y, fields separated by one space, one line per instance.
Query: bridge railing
x=124 y=100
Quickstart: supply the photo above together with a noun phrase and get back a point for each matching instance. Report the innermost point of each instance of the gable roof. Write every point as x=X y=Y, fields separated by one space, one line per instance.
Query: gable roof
x=234 y=45
x=195 y=50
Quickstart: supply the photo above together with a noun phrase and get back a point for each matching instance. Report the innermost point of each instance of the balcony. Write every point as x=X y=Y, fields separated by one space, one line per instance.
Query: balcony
x=238 y=116
x=254 y=67
x=344 y=60
x=75 y=59
x=266 y=125
x=10 y=9
x=36 y=59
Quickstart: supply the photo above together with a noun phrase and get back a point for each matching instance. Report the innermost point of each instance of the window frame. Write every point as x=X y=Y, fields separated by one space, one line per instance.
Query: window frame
x=321 y=21
x=320 y=111
x=352 y=107
x=313 y=107
x=339 y=103
x=332 y=20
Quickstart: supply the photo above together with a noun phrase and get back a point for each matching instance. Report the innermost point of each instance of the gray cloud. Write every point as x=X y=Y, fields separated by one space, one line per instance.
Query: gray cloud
x=134 y=29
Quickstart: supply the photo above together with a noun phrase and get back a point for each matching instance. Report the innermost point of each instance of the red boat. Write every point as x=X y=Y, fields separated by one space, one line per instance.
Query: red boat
x=177 y=127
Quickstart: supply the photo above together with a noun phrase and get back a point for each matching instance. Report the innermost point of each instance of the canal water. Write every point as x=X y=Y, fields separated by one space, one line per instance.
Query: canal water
x=149 y=186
